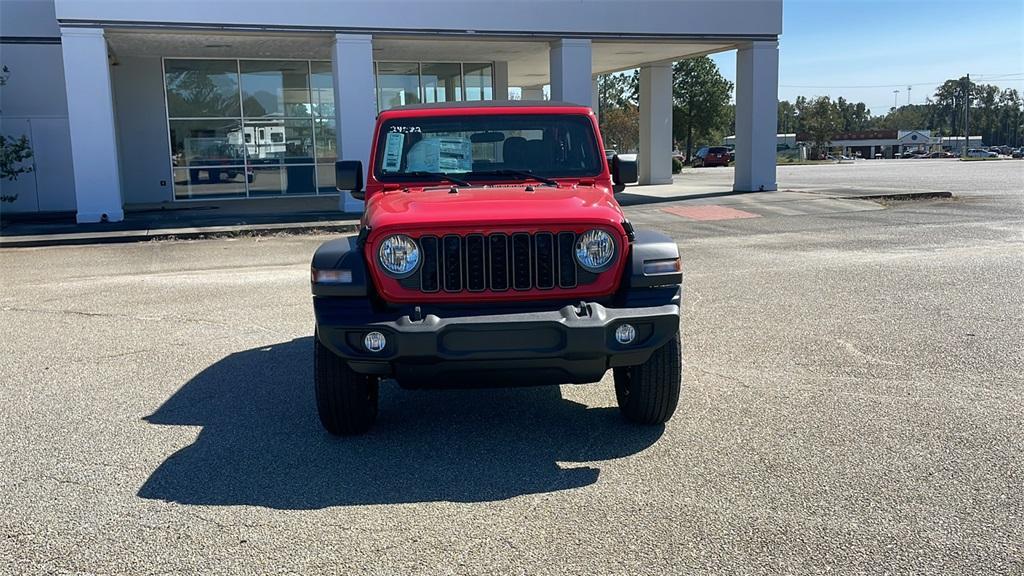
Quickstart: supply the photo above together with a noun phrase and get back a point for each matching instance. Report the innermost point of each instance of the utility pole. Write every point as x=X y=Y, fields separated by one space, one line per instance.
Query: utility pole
x=967 y=115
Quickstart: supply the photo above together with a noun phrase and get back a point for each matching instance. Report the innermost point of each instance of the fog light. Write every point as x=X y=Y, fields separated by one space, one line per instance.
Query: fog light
x=625 y=333
x=375 y=341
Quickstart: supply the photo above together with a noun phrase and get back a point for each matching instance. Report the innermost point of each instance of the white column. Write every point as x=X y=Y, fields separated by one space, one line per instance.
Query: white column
x=570 y=70
x=595 y=98
x=355 y=100
x=655 y=156
x=757 y=101
x=91 y=123
x=501 y=80
x=533 y=93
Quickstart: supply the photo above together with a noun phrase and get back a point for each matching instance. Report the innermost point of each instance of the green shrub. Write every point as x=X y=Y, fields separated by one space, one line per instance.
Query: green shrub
x=677 y=165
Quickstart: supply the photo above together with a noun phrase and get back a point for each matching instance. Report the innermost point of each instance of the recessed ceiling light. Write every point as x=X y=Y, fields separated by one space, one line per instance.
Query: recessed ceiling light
x=630 y=52
x=218 y=45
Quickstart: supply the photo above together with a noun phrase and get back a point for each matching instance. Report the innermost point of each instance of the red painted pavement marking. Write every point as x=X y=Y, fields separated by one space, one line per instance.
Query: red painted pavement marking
x=709 y=212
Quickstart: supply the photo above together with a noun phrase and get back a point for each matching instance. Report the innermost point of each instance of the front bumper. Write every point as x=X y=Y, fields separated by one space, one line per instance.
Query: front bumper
x=573 y=344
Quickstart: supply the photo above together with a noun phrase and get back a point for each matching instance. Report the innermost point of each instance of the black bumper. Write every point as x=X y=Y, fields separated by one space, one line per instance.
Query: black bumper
x=456 y=348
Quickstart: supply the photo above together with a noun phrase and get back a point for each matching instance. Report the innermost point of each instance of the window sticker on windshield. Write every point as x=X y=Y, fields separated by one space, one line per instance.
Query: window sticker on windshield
x=441 y=155
x=393 y=151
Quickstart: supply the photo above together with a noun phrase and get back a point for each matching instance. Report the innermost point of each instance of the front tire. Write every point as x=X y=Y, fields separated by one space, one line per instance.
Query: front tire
x=345 y=400
x=649 y=393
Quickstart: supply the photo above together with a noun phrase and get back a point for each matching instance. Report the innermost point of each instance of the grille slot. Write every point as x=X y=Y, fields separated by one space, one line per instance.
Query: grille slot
x=544 y=257
x=476 y=271
x=566 y=260
x=498 y=262
x=429 y=277
x=521 y=276
x=452 y=263
x=498 y=244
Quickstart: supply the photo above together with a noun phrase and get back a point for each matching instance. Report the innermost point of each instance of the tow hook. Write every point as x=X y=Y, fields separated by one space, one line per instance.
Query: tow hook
x=583 y=309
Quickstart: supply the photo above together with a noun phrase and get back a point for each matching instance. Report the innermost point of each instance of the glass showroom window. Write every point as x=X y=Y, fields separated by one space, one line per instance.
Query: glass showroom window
x=277 y=114
x=479 y=81
x=441 y=82
x=398 y=84
x=403 y=83
x=207 y=151
x=325 y=124
x=250 y=127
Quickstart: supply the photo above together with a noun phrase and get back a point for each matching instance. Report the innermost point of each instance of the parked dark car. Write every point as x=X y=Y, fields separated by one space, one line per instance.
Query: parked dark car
x=711 y=156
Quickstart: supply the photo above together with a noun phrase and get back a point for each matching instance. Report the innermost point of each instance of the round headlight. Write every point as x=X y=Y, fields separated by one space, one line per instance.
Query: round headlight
x=399 y=255
x=595 y=250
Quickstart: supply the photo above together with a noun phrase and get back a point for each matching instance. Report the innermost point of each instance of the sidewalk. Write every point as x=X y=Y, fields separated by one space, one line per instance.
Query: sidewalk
x=192 y=220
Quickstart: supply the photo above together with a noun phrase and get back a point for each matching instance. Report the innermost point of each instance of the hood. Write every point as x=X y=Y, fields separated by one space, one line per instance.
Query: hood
x=426 y=208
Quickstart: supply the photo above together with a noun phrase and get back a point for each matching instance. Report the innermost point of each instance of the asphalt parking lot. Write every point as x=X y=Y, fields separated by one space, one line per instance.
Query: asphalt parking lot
x=852 y=405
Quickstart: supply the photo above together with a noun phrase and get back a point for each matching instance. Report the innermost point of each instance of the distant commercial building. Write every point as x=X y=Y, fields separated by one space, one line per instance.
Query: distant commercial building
x=956 y=143
x=782 y=141
x=891 y=143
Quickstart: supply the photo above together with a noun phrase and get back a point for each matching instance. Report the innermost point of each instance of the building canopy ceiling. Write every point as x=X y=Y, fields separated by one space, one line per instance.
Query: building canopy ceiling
x=527 y=58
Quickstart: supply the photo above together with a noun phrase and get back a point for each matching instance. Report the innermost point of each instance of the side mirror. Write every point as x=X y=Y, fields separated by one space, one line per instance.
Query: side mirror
x=348 y=177
x=623 y=172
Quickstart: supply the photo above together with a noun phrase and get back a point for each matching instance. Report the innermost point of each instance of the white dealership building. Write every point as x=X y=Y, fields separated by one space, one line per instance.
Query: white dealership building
x=166 y=102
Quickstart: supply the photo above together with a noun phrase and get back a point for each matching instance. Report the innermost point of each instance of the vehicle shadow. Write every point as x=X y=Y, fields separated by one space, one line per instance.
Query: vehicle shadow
x=261 y=442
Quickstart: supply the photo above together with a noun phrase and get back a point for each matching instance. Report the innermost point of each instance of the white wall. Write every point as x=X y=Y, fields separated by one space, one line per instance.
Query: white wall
x=680 y=17
x=143 y=148
x=28 y=18
x=34 y=104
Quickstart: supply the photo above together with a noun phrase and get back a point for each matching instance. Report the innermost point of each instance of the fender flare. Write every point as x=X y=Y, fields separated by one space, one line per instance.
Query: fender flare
x=342 y=254
x=650 y=245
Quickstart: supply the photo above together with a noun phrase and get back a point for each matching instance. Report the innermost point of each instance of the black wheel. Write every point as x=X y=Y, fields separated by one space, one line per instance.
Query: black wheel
x=345 y=399
x=648 y=393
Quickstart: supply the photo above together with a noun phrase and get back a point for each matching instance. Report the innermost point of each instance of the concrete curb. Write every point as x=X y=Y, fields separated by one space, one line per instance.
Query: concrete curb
x=197 y=232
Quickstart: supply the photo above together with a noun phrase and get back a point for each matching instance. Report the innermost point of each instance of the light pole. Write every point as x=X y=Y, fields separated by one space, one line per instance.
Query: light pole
x=967 y=114
x=895 y=97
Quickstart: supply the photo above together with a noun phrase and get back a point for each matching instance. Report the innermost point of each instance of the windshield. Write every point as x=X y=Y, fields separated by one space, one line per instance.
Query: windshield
x=487 y=147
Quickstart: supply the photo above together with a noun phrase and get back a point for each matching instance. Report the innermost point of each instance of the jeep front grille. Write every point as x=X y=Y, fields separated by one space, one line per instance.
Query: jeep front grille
x=497 y=262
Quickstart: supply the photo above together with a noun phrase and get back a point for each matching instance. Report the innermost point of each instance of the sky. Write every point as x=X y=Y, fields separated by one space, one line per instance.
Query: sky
x=864 y=49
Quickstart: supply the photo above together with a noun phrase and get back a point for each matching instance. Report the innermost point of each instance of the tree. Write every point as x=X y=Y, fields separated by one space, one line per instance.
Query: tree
x=617 y=90
x=852 y=117
x=14 y=152
x=821 y=121
x=909 y=117
x=620 y=127
x=787 y=123
x=618 y=110
x=700 y=101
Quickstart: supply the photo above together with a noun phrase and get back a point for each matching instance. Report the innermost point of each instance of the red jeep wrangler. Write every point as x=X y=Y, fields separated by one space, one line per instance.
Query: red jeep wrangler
x=492 y=253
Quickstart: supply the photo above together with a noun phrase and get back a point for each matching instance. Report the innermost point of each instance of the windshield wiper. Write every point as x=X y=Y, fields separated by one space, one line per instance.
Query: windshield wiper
x=438 y=176
x=521 y=173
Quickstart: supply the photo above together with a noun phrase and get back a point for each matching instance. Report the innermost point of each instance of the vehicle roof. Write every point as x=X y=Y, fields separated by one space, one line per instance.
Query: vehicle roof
x=521 y=106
